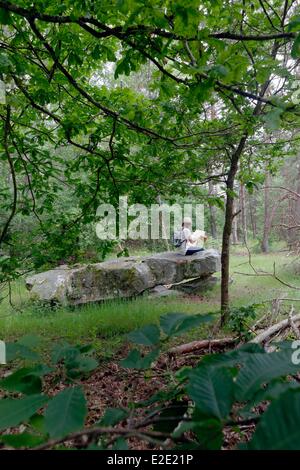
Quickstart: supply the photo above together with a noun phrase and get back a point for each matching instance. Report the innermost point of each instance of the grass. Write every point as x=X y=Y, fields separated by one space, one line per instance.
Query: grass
x=106 y=324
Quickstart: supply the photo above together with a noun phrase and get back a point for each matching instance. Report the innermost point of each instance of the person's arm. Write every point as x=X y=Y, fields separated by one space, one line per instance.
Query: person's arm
x=187 y=235
x=199 y=235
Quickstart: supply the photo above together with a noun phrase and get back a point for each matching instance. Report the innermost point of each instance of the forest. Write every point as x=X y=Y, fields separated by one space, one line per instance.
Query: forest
x=153 y=340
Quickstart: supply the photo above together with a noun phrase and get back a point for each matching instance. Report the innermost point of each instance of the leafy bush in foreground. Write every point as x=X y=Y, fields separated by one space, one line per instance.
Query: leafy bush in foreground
x=222 y=391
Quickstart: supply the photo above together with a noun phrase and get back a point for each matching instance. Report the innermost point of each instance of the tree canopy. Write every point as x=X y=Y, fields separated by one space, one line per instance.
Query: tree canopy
x=217 y=79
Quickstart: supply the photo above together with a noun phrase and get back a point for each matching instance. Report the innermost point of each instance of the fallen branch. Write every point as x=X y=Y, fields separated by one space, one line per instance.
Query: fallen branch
x=202 y=344
x=96 y=432
x=185 y=281
x=269 y=332
x=292 y=323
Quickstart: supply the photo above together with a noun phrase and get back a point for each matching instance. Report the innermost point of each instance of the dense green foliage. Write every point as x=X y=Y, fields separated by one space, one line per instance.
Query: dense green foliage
x=222 y=391
x=156 y=100
x=128 y=97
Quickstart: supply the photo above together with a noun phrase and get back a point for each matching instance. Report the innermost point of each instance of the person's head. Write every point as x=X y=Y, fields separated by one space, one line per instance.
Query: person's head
x=187 y=222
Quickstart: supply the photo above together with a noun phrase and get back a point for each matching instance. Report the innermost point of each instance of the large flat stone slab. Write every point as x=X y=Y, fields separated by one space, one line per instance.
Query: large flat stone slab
x=119 y=278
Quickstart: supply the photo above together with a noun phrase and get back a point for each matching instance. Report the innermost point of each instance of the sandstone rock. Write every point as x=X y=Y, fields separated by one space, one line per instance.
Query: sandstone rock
x=119 y=278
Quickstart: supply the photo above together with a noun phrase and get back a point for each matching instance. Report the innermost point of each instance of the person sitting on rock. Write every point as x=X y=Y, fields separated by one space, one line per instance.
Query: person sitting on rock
x=191 y=242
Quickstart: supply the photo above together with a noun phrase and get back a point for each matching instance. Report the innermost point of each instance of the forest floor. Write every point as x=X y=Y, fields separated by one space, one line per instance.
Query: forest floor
x=105 y=326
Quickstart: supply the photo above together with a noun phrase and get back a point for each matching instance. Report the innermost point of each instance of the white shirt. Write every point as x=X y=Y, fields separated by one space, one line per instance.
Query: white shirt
x=191 y=240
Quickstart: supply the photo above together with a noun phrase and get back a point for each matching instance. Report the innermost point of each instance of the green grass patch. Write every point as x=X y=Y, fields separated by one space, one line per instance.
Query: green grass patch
x=105 y=324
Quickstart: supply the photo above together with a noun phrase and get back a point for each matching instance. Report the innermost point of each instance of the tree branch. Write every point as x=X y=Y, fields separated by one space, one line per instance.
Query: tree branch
x=32 y=14
x=13 y=175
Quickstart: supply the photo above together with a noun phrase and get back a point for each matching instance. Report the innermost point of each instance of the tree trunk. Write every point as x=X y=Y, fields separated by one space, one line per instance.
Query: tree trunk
x=228 y=228
x=163 y=228
x=243 y=212
x=212 y=212
x=234 y=161
x=235 y=238
x=252 y=210
x=267 y=225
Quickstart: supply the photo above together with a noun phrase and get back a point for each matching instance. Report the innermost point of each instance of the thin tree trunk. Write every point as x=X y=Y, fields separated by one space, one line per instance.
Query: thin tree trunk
x=243 y=212
x=252 y=211
x=228 y=228
x=163 y=228
x=267 y=226
x=229 y=204
x=213 y=212
x=235 y=238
